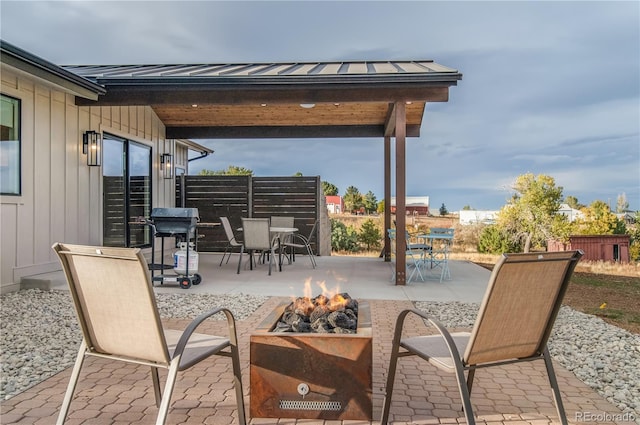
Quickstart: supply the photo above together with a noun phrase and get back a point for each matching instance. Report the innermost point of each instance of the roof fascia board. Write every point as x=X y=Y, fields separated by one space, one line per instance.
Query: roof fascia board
x=168 y=95
x=283 y=132
x=191 y=145
x=53 y=74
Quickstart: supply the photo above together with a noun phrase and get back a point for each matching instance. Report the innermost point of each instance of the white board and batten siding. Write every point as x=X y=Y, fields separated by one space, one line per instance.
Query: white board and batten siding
x=61 y=198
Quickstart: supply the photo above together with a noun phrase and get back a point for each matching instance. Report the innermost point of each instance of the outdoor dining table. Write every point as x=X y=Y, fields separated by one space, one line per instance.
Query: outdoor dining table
x=280 y=232
x=437 y=255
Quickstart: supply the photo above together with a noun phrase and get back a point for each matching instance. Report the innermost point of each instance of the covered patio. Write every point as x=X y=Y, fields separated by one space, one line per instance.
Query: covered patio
x=366 y=99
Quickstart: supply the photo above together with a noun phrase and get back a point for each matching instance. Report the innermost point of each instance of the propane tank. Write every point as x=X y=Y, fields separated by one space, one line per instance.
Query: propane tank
x=180 y=259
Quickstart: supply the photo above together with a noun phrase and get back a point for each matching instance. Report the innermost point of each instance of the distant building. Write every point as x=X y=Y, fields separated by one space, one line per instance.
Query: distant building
x=468 y=217
x=335 y=205
x=596 y=247
x=418 y=205
x=571 y=213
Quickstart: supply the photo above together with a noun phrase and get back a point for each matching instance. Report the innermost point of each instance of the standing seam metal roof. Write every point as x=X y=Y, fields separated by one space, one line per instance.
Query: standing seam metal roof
x=293 y=69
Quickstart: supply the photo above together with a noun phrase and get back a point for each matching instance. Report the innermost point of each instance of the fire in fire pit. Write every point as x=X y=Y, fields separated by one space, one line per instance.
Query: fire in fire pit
x=338 y=314
x=312 y=359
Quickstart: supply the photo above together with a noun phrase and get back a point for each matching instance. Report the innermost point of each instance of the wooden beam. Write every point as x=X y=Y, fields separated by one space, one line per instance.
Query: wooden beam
x=132 y=95
x=281 y=132
x=401 y=193
x=390 y=122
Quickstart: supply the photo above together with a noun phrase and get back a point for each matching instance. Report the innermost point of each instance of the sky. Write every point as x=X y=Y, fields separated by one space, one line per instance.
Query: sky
x=548 y=87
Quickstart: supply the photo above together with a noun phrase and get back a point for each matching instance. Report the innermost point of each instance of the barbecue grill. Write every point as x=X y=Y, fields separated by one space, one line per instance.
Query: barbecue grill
x=179 y=223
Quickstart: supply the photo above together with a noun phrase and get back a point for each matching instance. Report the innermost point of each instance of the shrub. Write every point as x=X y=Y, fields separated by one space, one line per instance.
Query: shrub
x=493 y=241
x=343 y=238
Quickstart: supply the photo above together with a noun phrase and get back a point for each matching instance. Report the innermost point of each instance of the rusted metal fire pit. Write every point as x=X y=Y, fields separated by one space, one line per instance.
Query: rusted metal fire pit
x=311 y=375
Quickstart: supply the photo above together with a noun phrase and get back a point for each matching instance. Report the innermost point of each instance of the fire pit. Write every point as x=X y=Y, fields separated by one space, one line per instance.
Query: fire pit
x=312 y=360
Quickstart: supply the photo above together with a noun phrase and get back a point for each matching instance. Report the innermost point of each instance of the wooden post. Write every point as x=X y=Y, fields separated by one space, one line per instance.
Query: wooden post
x=401 y=193
x=387 y=197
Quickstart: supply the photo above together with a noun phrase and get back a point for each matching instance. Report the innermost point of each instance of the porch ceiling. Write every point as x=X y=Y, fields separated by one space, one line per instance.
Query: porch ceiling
x=351 y=99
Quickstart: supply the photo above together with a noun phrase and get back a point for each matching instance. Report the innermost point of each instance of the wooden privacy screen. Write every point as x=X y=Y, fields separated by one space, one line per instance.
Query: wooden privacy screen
x=247 y=196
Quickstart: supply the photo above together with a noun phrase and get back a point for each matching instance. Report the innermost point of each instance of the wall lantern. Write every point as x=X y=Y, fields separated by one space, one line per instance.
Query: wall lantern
x=92 y=147
x=166 y=161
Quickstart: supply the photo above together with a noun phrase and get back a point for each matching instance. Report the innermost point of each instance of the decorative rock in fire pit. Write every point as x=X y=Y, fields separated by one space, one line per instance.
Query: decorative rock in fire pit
x=338 y=314
x=312 y=359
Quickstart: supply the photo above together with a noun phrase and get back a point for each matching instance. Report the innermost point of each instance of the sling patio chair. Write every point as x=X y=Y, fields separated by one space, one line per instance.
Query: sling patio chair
x=300 y=241
x=117 y=312
x=514 y=322
x=232 y=241
x=257 y=238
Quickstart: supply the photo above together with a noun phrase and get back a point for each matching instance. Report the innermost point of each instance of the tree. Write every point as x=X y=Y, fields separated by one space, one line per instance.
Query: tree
x=370 y=234
x=370 y=202
x=622 y=205
x=598 y=219
x=467 y=208
x=443 y=209
x=531 y=215
x=380 y=208
x=353 y=199
x=572 y=201
x=298 y=174
x=329 y=189
x=231 y=170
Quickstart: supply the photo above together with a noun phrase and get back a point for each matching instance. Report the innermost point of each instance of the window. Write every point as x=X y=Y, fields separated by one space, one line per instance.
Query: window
x=126 y=177
x=10 y=146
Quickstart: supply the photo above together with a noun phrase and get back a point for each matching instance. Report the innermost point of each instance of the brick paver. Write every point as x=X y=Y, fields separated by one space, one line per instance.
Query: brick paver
x=113 y=393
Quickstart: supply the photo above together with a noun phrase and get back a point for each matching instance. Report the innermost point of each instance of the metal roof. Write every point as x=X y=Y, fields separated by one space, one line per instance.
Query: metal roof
x=34 y=65
x=399 y=70
x=266 y=100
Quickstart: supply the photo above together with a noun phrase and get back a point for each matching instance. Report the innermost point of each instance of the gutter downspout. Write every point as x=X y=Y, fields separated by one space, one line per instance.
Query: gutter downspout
x=202 y=155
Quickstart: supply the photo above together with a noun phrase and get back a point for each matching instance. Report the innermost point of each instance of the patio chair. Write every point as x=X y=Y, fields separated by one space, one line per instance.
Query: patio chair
x=257 y=238
x=232 y=241
x=300 y=241
x=119 y=319
x=415 y=254
x=514 y=322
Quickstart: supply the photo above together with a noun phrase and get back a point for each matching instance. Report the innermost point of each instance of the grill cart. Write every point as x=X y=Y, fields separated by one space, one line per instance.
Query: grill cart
x=179 y=223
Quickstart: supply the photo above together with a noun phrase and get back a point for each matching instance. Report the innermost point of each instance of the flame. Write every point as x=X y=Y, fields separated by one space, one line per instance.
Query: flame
x=331 y=297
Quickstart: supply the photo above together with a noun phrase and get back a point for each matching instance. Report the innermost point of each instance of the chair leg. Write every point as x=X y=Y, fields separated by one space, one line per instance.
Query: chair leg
x=224 y=254
x=156 y=385
x=168 y=391
x=391 y=375
x=313 y=260
x=465 y=394
x=237 y=384
x=240 y=259
x=554 y=386
x=73 y=381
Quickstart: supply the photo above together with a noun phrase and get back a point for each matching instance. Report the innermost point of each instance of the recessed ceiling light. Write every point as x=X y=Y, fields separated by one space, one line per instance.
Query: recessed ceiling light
x=195 y=105
x=263 y=104
x=308 y=105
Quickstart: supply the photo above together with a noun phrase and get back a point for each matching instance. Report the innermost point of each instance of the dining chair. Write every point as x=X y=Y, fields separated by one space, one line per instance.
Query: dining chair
x=231 y=238
x=116 y=308
x=299 y=241
x=414 y=255
x=257 y=238
x=513 y=324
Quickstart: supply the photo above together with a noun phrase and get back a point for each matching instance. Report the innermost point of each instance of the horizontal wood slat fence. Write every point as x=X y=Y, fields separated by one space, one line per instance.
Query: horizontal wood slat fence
x=247 y=196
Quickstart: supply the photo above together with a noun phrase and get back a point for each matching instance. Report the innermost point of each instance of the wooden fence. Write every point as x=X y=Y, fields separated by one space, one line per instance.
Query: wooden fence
x=246 y=196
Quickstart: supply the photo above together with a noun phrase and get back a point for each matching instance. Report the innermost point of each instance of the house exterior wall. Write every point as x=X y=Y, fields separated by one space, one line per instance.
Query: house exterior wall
x=61 y=197
x=597 y=247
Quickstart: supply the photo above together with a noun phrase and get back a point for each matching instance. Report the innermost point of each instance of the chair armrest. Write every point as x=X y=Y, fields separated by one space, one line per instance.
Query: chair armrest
x=184 y=339
x=444 y=332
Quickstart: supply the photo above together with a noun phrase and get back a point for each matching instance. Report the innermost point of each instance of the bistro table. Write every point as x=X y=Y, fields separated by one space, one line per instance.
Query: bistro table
x=438 y=256
x=280 y=233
